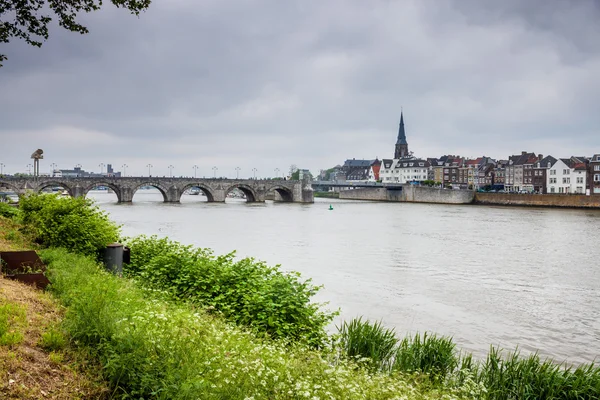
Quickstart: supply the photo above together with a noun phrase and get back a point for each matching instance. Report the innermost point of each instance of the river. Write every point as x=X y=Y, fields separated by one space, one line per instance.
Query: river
x=526 y=277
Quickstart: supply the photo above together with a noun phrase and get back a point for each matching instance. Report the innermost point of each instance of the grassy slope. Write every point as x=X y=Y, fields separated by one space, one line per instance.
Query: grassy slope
x=27 y=371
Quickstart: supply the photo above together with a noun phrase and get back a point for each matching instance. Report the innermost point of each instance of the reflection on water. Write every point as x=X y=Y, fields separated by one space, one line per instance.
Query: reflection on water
x=484 y=275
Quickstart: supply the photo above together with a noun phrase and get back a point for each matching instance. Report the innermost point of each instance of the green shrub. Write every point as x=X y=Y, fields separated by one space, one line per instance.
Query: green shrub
x=153 y=348
x=246 y=291
x=428 y=353
x=8 y=211
x=371 y=341
x=73 y=223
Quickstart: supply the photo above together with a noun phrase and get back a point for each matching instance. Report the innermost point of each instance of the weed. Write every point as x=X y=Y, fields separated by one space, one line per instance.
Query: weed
x=371 y=341
x=52 y=340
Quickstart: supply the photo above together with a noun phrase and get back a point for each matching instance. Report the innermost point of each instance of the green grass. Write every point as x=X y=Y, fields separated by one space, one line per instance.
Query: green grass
x=152 y=347
x=53 y=339
x=431 y=354
x=369 y=341
x=12 y=322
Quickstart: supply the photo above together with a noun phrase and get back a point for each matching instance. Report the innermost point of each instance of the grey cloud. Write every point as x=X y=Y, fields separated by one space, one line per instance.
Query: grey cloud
x=267 y=83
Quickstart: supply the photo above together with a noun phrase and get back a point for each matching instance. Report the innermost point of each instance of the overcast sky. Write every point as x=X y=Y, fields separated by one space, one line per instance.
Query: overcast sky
x=268 y=83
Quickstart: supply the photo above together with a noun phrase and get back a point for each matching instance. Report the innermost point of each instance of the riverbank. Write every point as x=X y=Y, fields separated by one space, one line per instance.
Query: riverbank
x=36 y=361
x=327 y=195
x=159 y=332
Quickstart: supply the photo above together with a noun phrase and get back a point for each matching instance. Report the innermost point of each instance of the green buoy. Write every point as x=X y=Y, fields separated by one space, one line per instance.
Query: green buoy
x=330 y=207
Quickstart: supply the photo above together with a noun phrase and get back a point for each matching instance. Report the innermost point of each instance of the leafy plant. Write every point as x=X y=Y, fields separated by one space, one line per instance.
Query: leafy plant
x=73 y=223
x=8 y=211
x=246 y=291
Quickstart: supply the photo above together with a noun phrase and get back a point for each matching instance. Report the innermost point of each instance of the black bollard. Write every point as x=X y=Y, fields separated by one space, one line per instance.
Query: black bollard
x=113 y=258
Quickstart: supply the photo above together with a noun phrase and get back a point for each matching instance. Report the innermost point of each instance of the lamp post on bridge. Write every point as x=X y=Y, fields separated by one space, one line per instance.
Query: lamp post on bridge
x=237 y=172
x=215 y=171
x=276 y=172
x=254 y=170
x=53 y=166
x=195 y=171
x=124 y=166
x=149 y=166
x=101 y=165
x=2 y=169
x=170 y=170
x=29 y=169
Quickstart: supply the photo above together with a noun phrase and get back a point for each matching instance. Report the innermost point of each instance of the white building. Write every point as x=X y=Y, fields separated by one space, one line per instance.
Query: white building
x=403 y=170
x=567 y=175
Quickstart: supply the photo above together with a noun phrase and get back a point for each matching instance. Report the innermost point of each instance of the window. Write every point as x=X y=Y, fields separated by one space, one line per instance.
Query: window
x=566 y=180
x=421 y=164
x=552 y=189
x=445 y=170
x=597 y=178
x=552 y=172
x=411 y=164
x=596 y=167
x=580 y=179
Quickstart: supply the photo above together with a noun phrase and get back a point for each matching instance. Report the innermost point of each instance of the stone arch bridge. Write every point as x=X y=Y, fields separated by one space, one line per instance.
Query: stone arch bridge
x=216 y=190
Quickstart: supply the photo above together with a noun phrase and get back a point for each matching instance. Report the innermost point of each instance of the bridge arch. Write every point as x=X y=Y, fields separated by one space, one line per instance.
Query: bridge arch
x=249 y=192
x=11 y=186
x=205 y=189
x=47 y=184
x=163 y=190
x=115 y=188
x=285 y=193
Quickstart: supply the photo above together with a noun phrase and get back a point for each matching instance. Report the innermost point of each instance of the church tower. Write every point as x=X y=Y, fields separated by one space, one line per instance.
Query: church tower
x=401 y=144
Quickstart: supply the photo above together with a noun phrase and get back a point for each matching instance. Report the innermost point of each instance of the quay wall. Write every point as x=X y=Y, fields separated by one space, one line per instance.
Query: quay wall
x=377 y=194
x=410 y=194
x=539 y=200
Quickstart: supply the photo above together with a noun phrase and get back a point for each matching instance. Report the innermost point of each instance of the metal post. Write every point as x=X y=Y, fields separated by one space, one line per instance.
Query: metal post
x=113 y=258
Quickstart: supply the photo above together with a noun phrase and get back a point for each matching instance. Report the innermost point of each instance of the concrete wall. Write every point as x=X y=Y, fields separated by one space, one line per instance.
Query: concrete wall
x=538 y=200
x=378 y=194
x=418 y=194
x=410 y=194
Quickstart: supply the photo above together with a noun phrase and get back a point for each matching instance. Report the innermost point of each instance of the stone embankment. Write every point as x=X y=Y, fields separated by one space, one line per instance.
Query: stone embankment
x=410 y=194
x=538 y=200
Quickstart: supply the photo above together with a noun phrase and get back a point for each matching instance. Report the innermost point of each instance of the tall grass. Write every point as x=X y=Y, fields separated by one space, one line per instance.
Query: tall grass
x=517 y=377
x=151 y=347
x=498 y=377
x=370 y=341
x=432 y=354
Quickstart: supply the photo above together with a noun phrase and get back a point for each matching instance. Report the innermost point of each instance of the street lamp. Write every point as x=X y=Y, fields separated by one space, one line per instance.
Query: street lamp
x=29 y=169
x=215 y=171
x=149 y=166
x=170 y=171
x=237 y=172
x=277 y=172
x=77 y=165
x=2 y=168
x=195 y=171
x=124 y=166
x=254 y=170
x=101 y=165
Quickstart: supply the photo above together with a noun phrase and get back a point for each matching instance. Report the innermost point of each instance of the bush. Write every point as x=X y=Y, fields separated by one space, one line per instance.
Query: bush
x=73 y=223
x=362 y=339
x=153 y=348
x=8 y=211
x=246 y=291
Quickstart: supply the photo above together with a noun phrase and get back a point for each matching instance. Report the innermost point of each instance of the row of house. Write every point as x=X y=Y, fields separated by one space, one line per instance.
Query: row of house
x=525 y=172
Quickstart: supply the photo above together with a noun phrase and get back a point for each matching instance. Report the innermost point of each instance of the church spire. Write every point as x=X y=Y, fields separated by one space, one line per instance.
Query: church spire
x=401 y=133
x=401 y=143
